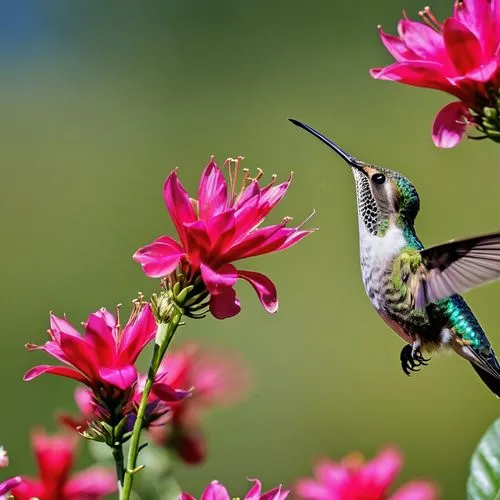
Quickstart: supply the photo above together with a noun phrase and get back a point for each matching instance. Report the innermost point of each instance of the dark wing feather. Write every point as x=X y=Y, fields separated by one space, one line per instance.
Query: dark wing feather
x=457 y=266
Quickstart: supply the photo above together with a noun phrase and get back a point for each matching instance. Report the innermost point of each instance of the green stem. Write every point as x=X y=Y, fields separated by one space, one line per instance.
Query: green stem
x=165 y=334
x=119 y=462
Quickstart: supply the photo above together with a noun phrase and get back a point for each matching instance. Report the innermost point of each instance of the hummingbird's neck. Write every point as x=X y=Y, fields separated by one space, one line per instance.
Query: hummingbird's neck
x=409 y=234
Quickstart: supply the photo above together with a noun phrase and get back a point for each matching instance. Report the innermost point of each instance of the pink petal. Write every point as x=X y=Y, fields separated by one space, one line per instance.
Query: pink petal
x=83 y=399
x=212 y=192
x=251 y=215
x=463 y=47
x=91 y=484
x=123 y=378
x=264 y=288
x=108 y=317
x=270 y=237
x=254 y=492
x=225 y=304
x=477 y=16
x=186 y=496
x=100 y=335
x=28 y=488
x=58 y=325
x=221 y=230
x=174 y=369
x=421 y=39
x=483 y=73
x=331 y=474
x=308 y=489
x=396 y=47
x=81 y=354
x=495 y=14
x=294 y=237
x=449 y=125
x=160 y=258
x=9 y=484
x=62 y=371
x=54 y=456
x=219 y=378
x=215 y=491
x=417 y=490
x=136 y=335
x=178 y=204
x=166 y=393
x=53 y=348
x=218 y=281
x=198 y=241
x=275 y=494
x=383 y=469
x=266 y=240
x=417 y=73
x=248 y=196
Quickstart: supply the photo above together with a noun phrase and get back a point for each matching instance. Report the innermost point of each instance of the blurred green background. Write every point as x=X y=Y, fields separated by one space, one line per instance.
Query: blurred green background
x=100 y=100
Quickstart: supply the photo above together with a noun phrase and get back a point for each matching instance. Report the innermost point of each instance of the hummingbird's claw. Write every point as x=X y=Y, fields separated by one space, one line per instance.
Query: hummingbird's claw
x=411 y=359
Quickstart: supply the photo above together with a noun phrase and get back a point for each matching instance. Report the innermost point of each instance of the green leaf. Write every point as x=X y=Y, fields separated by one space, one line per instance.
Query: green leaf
x=484 y=478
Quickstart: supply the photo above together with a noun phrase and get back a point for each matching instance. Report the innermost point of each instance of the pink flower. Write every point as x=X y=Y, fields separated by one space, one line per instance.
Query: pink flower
x=459 y=56
x=216 y=491
x=216 y=378
x=104 y=358
x=220 y=227
x=352 y=479
x=55 y=456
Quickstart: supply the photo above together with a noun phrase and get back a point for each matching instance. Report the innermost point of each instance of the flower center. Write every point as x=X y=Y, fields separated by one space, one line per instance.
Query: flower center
x=430 y=19
x=238 y=185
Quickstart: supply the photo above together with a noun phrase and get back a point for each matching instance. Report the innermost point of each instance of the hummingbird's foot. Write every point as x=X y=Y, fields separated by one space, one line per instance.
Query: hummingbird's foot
x=412 y=358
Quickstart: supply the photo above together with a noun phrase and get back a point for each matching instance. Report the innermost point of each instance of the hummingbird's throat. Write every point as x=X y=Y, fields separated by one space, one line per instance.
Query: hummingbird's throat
x=368 y=212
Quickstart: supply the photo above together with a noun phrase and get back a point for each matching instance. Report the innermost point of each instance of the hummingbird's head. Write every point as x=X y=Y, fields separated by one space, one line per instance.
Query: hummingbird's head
x=384 y=197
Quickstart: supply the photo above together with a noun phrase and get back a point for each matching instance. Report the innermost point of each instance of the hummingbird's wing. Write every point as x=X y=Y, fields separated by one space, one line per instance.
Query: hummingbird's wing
x=457 y=266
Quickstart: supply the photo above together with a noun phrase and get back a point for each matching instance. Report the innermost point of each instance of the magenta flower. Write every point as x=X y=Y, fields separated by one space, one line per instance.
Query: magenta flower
x=216 y=491
x=217 y=378
x=220 y=227
x=352 y=479
x=460 y=57
x=104 y=358
x=55 y=457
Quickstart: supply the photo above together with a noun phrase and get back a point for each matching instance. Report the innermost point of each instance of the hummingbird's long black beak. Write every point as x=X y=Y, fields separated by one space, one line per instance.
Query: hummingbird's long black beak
x=353 y=162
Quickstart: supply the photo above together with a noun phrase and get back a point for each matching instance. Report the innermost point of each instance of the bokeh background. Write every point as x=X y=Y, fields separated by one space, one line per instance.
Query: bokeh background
x=100 y=100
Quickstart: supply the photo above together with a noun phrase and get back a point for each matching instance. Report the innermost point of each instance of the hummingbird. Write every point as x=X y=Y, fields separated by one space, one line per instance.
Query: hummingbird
x=414 y=289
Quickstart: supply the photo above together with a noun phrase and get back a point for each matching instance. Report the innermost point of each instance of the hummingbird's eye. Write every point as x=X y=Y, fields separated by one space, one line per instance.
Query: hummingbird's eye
x=378 y=178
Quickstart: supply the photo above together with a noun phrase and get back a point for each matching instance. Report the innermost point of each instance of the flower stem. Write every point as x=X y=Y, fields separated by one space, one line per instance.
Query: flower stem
x=119 y=462
x=158 y=353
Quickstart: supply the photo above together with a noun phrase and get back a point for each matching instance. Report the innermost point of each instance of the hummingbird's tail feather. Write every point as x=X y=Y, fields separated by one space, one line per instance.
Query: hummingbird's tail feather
x=484 y=362
x=492 y=382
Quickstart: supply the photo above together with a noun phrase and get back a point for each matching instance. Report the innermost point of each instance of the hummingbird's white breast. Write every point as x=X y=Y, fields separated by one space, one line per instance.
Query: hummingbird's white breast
x=376 y=255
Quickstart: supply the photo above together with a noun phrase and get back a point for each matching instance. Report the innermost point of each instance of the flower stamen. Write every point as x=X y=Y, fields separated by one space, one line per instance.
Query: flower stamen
x=430 y=19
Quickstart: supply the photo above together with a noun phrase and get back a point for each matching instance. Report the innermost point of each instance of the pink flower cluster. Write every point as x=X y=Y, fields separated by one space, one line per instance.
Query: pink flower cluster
x=221 y=226
x=217 y=378
x=104 y=360
x=459 y=56
x=352 y=479
x=55 y=456
x=216 y=491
